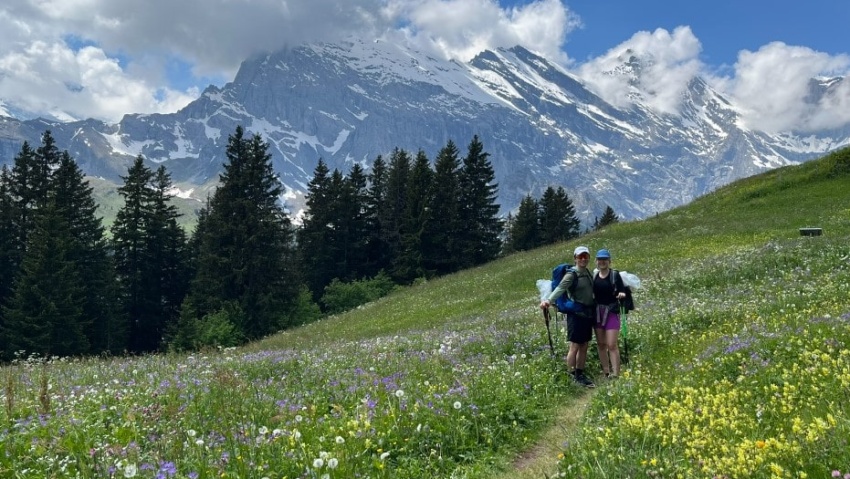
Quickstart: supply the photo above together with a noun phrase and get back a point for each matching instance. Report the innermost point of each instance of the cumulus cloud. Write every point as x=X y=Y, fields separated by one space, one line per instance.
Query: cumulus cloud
x=460 y=29
x=774 y=85
x=51 y=79
x=654 y=68
x=75 y=59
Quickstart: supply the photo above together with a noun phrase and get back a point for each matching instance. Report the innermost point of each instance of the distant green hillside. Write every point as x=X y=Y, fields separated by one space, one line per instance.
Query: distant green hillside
x=109 y=202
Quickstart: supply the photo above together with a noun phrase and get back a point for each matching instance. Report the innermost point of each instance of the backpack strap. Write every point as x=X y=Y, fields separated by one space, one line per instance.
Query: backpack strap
x=574 y=282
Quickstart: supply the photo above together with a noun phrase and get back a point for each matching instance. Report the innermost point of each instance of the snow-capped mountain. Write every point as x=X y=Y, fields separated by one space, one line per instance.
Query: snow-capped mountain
x=350 y=102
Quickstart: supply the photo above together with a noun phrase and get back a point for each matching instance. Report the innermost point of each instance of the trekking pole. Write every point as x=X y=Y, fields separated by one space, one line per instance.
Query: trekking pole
x=546 y=318
x=624 y=320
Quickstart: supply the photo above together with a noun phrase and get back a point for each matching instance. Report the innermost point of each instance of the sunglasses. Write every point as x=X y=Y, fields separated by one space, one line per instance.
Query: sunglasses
x=583 y=256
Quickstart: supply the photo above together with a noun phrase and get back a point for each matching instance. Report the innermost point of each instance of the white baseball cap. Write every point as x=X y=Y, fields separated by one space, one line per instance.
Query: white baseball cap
x=580 y=250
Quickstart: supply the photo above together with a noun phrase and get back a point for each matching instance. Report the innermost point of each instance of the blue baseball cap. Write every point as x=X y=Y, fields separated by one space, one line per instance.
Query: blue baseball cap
x=603 y=254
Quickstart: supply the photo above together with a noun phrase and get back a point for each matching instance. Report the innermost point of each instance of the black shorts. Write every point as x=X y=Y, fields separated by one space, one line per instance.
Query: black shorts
x=579 y=328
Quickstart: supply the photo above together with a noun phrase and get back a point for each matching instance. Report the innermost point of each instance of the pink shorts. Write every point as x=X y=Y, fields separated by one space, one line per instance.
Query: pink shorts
x=611 y=323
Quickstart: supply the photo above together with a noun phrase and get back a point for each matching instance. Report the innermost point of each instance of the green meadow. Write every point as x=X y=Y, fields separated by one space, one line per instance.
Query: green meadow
x=739 y=367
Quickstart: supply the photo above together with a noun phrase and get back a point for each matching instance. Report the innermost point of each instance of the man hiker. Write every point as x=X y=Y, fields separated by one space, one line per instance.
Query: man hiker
x=580 y=324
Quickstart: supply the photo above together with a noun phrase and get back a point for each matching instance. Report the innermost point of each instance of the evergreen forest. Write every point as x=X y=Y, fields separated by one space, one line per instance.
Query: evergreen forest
x=70 y=287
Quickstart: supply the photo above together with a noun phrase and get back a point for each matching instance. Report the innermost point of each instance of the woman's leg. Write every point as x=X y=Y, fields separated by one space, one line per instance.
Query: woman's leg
x=611 y=339
x=602 y=348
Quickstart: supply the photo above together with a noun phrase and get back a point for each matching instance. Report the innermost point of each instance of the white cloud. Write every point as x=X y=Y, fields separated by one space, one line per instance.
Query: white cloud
x=105 y=58
x=51 y=79
x=665 y=64
x=773 y=86
x=460 y=29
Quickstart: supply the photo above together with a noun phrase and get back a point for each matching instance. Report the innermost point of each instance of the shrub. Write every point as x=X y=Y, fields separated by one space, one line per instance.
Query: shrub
x=341 y=296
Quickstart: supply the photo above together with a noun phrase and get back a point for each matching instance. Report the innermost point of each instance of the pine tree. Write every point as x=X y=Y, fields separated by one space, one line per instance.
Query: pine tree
x=167 y=251
x=558 y=220
x=525 y=230
x=88 y=250
x=9 y=247
x=129 y=238
x=441 y=251
x=391 y=212
x=608 y=218
x=353 y=201
x=316 y=256
x=45 y=313
x=245 y=256
x=378 y=258
x=410 y=263
x=479 y=211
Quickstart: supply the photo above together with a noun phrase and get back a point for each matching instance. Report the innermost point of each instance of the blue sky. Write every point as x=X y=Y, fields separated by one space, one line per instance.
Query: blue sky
x=74 y=59
x=724 y=27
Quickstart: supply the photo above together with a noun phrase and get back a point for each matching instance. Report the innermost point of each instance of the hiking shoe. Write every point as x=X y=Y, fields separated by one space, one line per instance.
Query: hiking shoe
x=584 y=381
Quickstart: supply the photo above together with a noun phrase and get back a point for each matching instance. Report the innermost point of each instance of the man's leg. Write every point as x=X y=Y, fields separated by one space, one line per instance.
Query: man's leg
x=571 y=356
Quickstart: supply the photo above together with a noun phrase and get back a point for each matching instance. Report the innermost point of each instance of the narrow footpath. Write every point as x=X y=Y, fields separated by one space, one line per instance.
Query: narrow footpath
x=541 y=459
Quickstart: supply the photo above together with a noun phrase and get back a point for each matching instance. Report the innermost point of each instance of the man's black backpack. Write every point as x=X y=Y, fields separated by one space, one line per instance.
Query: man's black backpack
x=617 y=281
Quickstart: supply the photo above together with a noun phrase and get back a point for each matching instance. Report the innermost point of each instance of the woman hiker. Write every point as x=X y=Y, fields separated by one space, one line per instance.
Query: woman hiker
x=608 y=290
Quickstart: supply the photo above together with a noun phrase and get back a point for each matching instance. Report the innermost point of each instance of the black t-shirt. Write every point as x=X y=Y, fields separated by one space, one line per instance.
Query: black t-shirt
x=603 y=290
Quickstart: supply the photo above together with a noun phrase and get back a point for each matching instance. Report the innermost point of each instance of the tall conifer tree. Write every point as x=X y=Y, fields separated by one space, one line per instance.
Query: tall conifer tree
x=479 y=211
x=45 y=314
x=376 y=195
x=88 y=250
x=441 y=250
x=132 y=259
x=608 y=218
x=353 y=202
x=9 y=245
x=410 y=264
x=558 y=220
x=245 y=258
x=525 y=227
x=391 y=213
x=315 y=251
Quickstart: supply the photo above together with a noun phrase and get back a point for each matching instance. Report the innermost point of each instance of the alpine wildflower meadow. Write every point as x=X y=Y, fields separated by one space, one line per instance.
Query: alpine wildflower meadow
x=738 y=367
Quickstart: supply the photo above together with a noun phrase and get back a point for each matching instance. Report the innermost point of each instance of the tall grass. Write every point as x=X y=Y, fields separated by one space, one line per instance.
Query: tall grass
x=739 y=368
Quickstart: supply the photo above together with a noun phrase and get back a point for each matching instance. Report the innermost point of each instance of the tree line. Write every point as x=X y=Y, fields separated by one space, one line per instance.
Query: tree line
x=246 y=271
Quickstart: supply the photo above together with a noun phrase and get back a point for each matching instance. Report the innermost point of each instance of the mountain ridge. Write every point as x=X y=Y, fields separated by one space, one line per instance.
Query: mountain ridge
x=349 y=102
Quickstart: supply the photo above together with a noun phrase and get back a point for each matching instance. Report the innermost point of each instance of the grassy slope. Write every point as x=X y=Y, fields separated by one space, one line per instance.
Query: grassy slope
x=452 y=378
x=695 y=254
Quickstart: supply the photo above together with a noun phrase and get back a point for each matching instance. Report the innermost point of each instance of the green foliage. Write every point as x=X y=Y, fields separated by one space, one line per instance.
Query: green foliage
x=45 y=312
x=558 y=220
x=608 y=218
x=480 y=236
x=218 y=329
x=524 y=230
x=340 y=297
x=304 y=309
x=244 y=248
